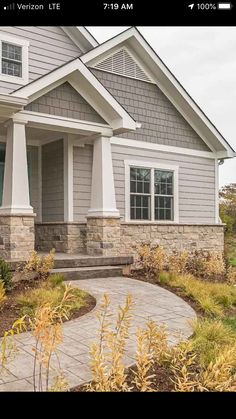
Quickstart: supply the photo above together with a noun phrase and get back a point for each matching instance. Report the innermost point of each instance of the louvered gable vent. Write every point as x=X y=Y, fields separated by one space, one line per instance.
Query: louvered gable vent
x=122 y=63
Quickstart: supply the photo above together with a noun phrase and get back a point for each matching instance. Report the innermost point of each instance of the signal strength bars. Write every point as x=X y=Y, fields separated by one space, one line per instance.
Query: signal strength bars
x=9 y=7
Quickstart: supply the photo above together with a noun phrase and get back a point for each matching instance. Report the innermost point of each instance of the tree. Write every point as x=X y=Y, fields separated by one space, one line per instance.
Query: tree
x=227 y=196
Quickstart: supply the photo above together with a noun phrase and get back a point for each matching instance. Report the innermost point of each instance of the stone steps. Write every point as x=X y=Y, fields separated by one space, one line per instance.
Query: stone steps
x=71 y=274
x=90 y=261
x=84 y=266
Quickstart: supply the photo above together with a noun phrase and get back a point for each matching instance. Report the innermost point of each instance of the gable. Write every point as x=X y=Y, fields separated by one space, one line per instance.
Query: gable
x=122 y=62
x=161 y=121
x=167 y=83
x=65 y=101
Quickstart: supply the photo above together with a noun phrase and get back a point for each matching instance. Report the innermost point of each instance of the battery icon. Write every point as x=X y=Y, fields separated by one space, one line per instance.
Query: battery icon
x=224 y=6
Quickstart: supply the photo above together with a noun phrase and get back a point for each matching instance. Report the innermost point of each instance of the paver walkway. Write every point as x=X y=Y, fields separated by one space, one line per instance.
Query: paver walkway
x=151 y=302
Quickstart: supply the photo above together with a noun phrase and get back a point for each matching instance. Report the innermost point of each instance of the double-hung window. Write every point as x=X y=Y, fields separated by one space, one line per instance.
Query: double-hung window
x=13 y=59
x=152 y=193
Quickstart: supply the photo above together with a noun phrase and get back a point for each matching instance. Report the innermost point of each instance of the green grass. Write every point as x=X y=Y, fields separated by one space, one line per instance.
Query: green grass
x=51 y=292
x=232 y=261
x=231 y=322
x=213 y=298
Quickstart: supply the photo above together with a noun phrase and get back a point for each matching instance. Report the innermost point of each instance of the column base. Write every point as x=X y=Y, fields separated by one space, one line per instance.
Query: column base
x=103 y=236
x=16 y=236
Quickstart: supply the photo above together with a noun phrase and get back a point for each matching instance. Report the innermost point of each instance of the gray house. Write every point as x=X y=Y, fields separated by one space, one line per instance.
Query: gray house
x=101 y=148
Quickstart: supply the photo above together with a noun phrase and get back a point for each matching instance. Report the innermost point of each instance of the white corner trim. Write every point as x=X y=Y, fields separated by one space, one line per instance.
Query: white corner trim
x=217 y=215
x=24 y=44
x=151 y=165
x=68 y=179
x=126 y=142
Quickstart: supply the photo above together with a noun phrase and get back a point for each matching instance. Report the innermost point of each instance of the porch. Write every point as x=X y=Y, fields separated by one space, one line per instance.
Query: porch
x=56 y=189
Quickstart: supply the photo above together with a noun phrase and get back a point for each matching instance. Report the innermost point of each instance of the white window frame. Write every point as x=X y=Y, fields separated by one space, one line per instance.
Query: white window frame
x=155 y=166
x=25 y=59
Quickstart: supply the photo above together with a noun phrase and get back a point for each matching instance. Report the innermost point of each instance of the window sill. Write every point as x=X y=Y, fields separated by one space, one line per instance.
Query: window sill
x=138 y=222
x=13 y=79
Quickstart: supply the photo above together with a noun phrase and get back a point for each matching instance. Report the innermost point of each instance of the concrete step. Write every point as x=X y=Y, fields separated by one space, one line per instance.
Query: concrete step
x=77 y=261
x=91 y=261
x=89 y=272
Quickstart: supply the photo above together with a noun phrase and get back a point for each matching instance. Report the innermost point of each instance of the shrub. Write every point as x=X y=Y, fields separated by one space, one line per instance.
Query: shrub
x=152 y=260
x=2 y=294
x=210 y=337
x=231 y=275
x=177 y=262
x=214 y=266
x=41 y=265
x=5 y=274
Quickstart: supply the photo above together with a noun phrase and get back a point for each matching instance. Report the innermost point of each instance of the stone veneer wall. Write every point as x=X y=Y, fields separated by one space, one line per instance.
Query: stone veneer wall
x=16 y=236
x=172 y=237
x=103 y=236
x=63 y=237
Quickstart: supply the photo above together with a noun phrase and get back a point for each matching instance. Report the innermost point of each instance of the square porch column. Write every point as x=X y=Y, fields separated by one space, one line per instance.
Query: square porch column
x=103 y=219
x=16 y=213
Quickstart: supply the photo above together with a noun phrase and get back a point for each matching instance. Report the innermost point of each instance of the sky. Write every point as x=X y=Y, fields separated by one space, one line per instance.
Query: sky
x=203 y=59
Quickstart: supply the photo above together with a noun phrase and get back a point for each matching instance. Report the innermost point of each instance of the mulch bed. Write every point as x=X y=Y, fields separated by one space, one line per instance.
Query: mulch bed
x=11 y=311
x=162 y=382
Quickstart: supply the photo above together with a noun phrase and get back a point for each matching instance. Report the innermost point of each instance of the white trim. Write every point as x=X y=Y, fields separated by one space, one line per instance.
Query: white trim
x=81 y=37
x=126 y=142
x=25 y=59
x=59 y=123
x=68 y=179
x=217 y=215
x=164 y=80
x=86 y=84
x=148 y=164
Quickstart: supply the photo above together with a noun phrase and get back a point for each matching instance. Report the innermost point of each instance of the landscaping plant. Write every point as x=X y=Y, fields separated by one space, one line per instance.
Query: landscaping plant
x=40 y=265
x=5 y=274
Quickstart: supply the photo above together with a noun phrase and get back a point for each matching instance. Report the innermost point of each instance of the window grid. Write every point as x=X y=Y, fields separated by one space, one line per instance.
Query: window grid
x=163 y=192
x=11 y=60
x=156 y=205
x=140 y=193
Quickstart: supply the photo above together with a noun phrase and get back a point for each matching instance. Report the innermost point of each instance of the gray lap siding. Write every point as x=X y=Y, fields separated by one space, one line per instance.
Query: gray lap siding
x=196 y=181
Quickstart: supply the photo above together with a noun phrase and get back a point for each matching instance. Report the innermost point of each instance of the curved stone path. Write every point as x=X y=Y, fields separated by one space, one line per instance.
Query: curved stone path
x=150 y=302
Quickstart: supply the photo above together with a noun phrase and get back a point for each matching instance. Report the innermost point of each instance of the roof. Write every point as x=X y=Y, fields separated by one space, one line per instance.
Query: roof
x=88 y=86
x=169 y=85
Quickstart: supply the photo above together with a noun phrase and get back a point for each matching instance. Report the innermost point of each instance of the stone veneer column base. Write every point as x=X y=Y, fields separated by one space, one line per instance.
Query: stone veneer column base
x=172 y=237
x=103 y=236
x=16 y=236
x=61 y=236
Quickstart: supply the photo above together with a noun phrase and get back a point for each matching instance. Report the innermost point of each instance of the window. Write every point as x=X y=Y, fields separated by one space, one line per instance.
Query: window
x=151 y=192
x=140 y=193
x=11 y=59
x=163 y=190
x=14 y=59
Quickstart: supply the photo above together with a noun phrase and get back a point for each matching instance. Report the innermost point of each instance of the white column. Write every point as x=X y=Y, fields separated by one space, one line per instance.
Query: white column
x=16 y=183
x=68 y=179
x=103 y=200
